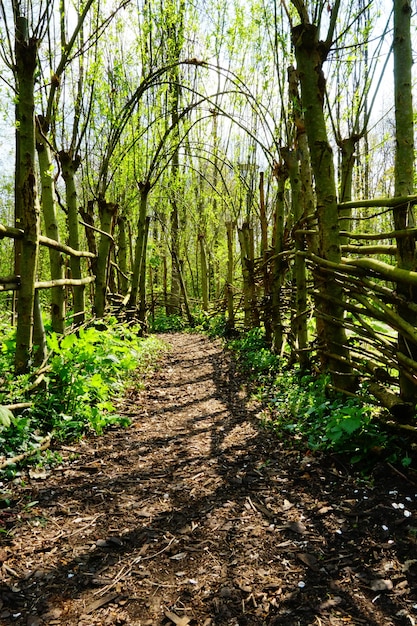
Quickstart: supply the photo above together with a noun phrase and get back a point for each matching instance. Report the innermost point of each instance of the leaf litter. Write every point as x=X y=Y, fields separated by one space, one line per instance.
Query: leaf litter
x=196 y=516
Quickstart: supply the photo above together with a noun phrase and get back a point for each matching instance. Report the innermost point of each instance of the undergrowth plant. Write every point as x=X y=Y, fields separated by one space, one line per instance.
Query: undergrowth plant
x=84 y=375
x=302 y=409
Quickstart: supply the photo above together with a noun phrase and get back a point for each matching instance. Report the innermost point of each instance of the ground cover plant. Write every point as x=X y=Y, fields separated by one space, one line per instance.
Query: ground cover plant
x=301 y=408
x=76 y=391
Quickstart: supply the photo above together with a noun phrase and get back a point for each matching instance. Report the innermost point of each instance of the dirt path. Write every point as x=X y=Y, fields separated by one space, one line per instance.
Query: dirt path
x=194 y=515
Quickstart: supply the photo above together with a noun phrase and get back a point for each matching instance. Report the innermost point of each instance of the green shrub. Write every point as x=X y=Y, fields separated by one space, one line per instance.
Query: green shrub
x=162 y=323
x=253 y=354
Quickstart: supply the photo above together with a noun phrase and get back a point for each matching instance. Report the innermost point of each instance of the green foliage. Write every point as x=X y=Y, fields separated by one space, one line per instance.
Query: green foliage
x=211 y=325
x=162 y=323
x=85 y=373
x=253 y=354
x=301 y=409
x=304 y=407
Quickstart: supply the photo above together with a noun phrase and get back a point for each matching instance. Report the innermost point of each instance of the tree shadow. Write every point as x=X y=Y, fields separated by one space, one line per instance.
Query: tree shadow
x=148 y=503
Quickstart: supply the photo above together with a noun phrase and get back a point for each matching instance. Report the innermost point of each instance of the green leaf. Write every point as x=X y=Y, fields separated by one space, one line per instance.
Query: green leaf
x=6 y=417
x=351 y=424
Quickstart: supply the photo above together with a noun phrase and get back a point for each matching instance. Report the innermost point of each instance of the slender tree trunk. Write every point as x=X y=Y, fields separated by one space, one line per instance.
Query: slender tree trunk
x=300 y=312
x=69 y=168
x=347 y=147
x=39 y=338
x=122 y=255
x=56 y=260
x=229 y=284
x=179 y=263
x=142 y=280
x=107 y=212
x=310 y=55
x=204 y=273
x=140 y=246
x=404 y=175
x=251 y=312
x=27 y=203
x=265 y=253
x=278 y=268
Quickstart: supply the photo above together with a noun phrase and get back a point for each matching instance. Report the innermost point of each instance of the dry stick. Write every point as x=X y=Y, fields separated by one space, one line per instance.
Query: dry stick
x=403 y=476
x=393 y=234
x=64 y=282
x=128 y=568
x=381 y=249
x=379 y=202
x=18 y=405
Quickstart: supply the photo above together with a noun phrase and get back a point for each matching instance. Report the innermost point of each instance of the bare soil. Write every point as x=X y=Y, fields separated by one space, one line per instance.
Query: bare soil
x=196 y=515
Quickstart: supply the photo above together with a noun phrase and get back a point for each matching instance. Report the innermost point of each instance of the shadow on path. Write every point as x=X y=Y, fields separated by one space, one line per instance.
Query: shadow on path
x=195 y=512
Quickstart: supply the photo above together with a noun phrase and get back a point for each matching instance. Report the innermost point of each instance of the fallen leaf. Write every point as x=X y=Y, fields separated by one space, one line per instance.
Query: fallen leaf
x=309 y=560
x=179 y=556
x=381 y=585
x=176 y=619
x=296 y=527
x=38 y=474
x=324 y=510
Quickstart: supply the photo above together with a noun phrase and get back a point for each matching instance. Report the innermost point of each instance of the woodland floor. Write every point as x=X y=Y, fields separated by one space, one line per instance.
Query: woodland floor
x=195 y=515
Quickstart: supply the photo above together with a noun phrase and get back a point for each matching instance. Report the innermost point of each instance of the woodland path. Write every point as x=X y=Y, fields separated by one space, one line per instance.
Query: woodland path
x=195 y=515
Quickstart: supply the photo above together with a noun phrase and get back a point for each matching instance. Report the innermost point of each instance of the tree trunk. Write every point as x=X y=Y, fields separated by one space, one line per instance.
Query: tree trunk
x=27 y=203
x=347 y=147
x=69 y=167
x=107 y=212
x=278 y=269
x=303 y=218
x=300 y=312
x=404 y=175
x=140 y=246
x=122 y=255
x=204 y=273
x=265 y=255
x=142 y=280
x=250 y=305
x=310 y=55
x=56 y=260
x=229 y=284
x=39 y=338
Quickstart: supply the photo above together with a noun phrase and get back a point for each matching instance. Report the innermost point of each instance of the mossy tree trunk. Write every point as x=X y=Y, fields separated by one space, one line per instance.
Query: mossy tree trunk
x=278 y=268
x=299 y=292
x=69 y=167
x=311 y=54
x=404 y=177
x=204 y=273
x=50 y=219
x=107 y=212
x=27 y=202
x=139 y=261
